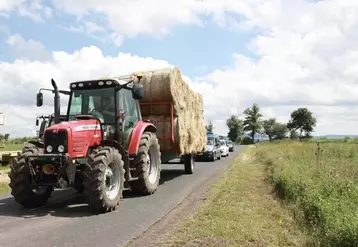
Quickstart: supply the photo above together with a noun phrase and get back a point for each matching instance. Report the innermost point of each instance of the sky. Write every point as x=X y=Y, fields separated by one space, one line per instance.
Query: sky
x=280 y=54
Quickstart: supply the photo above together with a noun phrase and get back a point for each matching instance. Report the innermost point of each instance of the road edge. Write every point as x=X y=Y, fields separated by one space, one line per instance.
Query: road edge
x=158 y=232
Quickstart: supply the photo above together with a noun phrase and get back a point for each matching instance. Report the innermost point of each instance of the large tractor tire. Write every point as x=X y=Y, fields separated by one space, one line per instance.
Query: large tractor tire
x=147 y=165
x=20 y=181
x=189 y=163
x=104 y=179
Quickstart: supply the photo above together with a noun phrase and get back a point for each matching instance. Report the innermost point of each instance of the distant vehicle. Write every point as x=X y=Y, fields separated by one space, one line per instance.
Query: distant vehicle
x=212 y=151
x=231 y=146
x=224 y=148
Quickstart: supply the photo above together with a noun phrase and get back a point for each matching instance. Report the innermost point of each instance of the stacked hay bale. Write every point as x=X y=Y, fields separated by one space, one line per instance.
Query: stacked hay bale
x=167 y=85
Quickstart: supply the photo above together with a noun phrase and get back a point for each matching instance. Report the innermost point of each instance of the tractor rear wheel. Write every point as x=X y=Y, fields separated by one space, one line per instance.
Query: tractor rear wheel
x=147 y=164
x=104 y=179
x=20 y=181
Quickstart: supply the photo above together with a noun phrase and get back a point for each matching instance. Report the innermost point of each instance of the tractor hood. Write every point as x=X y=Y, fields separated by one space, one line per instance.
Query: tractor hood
x=76 y=126
x=81 y=135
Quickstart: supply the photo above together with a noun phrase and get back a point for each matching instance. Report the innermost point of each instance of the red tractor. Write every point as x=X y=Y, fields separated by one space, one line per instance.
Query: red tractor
x=100 y=148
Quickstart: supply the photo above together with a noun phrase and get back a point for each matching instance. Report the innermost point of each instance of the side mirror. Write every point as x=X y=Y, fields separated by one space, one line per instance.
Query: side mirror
x=138 y=91
x=37 y=122
x=39 y=99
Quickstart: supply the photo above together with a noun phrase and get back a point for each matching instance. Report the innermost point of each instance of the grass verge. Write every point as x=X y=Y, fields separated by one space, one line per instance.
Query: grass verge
x=240 y=211
x=4 y=188
x=321 y=188
x=4 y=180
x=12 y=147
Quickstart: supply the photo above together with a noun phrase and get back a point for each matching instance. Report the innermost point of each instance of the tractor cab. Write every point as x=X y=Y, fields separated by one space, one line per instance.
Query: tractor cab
x=112 y=102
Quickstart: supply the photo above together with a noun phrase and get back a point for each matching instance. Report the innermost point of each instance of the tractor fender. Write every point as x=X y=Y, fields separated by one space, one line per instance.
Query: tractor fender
x=38 y=144
x=136 y=135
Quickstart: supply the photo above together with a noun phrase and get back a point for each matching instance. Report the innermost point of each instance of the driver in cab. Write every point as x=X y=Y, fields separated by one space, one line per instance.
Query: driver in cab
x=108 y=109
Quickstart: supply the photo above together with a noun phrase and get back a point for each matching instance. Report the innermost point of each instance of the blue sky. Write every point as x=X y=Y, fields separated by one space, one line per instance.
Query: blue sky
x=196 y=50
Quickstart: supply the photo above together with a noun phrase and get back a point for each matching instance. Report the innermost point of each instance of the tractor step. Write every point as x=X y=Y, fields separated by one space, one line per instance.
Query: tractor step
x=133 y=179
x=132 y=169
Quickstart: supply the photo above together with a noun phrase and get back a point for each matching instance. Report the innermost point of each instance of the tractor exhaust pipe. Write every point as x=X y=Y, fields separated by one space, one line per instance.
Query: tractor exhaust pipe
x=57 y=108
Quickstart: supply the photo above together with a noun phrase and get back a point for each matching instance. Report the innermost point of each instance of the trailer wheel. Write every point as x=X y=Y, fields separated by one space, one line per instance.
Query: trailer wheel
x=20 y=181
x=147 y=165
x=104 y=179
x=189 y=164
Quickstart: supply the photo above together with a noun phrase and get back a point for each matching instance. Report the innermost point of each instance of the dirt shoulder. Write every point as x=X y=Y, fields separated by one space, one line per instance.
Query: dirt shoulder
x=239 y=210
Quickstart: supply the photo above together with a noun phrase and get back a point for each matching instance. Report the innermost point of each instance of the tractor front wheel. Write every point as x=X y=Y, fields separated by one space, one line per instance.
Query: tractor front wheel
x=104 y=179
x=20 y=181
x=147 y=165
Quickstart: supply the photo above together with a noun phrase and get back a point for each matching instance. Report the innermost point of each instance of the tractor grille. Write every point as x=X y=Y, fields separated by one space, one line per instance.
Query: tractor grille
x=56 y=139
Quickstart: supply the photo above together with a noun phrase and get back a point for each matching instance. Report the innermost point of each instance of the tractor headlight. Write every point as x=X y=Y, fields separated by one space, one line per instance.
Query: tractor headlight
x=61 y=148
x=49 y=148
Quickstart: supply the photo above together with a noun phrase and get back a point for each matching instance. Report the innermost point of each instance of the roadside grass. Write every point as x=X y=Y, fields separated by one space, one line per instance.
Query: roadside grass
x=240 y=210
x=4 y=184
x=4 y=188
x=322 y=190
x=12 y=147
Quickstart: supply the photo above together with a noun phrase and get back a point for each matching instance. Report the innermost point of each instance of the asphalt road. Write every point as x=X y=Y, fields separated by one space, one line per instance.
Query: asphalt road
x=65 y=221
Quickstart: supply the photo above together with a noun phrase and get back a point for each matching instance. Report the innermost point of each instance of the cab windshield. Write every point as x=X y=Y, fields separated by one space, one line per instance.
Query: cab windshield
x=99 y=103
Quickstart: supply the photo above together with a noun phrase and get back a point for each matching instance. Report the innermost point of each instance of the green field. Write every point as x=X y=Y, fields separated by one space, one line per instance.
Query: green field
x=11 y=147
x=321 y=189
x=344 y=140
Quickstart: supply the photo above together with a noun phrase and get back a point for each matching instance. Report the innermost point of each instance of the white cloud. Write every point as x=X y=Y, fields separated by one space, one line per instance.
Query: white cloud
x=156 y=17
x=27 y=49
x=33 y=9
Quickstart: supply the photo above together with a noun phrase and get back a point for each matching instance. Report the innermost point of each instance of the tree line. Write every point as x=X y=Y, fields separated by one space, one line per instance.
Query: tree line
x=300 y=126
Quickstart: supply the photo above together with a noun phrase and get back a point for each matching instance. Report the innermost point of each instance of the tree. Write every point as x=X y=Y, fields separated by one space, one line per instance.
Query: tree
x=293 y=135
x=210 y=126
x=236 y=129
x=303 y=121
x=268 y=127
x=279 y=131
x=252 y=122
x=6 y=137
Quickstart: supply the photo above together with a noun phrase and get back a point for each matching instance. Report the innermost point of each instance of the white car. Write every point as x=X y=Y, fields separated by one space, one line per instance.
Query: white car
x=224 y=148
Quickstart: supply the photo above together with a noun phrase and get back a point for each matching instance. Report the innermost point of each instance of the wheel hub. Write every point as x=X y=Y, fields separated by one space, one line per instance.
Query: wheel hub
x=152 y=165
x=111 y=182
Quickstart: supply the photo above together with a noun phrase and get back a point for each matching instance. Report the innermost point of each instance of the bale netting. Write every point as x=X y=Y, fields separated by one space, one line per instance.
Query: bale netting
x=167 y=85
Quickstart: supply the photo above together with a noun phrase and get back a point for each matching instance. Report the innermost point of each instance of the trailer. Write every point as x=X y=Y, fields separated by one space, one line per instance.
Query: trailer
x=169 y=154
